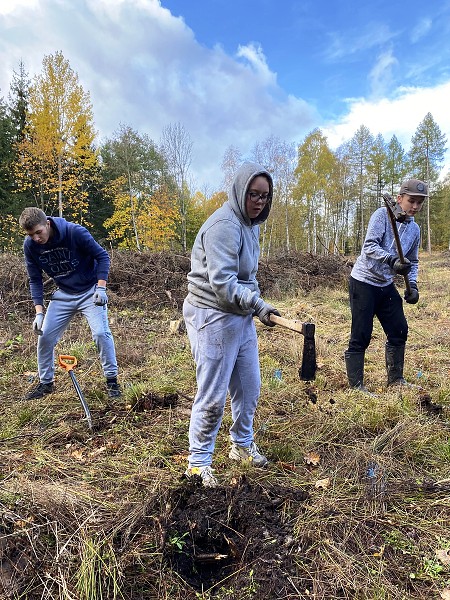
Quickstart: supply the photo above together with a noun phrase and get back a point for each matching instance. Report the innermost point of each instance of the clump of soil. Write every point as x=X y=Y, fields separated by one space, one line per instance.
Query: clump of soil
x=429 y=406
x=235 y=533
x=151 y=401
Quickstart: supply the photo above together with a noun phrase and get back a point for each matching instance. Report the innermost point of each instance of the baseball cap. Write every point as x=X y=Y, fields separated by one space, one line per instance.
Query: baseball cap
x=414 y=187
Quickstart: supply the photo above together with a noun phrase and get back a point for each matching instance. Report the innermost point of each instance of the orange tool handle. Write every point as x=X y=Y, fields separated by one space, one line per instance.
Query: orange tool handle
x=67 y=362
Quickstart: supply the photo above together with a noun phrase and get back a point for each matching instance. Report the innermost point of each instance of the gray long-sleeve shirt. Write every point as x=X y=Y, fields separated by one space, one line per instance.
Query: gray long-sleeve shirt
x=379 y=245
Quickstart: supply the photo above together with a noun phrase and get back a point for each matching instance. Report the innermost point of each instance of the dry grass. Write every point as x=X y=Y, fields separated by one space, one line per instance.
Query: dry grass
x=106 y=515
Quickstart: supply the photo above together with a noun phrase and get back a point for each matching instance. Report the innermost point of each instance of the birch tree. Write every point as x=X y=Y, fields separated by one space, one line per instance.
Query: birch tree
x=278 y=157
x=56 y=155
x=232 y=159
x=176 y=145
x=135 y=171
x=313 y=174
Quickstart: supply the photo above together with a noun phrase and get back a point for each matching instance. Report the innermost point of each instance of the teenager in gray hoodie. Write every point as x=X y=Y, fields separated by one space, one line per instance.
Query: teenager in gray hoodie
x=223 y=295
x=372 y=289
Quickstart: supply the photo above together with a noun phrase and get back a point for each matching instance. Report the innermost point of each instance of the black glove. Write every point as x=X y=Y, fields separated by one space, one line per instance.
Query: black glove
x=400 y=268
x=413 y=296
x=263 y=310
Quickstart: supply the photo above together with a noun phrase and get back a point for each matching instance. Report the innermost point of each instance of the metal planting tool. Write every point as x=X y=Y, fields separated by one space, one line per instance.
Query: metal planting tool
x=68 y=363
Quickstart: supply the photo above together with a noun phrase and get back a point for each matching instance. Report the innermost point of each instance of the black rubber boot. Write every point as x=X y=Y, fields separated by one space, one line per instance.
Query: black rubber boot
x=354 y=363
x=395 y=360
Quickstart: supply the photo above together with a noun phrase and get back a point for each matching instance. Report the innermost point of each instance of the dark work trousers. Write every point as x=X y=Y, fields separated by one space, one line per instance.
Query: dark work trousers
x=369 y=301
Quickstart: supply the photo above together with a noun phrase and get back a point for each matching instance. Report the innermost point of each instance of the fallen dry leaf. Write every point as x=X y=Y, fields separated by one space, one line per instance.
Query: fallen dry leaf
x=380 y=552
x=312 y=458
x=179 y=459
x=443 y=556
x=323 y=483
x=445 y=594
x=98 y=451
x=288 y=466
x=22 y=523
x=77 y=454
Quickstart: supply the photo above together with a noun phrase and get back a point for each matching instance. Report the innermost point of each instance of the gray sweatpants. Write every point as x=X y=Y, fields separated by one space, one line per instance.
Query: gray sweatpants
x=225 y=351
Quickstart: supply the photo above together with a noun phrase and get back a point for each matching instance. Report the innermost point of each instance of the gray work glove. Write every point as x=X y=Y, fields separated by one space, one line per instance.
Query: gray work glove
x=413 y=296
x=37 y=323
x=100 y=298
x=400 y=268
x=263 y=310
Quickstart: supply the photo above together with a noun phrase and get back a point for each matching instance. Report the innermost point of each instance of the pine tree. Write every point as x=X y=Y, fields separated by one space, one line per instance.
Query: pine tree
x=426 y=156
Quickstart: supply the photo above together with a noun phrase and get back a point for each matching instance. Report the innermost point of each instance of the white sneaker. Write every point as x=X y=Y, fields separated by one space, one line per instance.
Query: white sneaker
x=248 y=454
x=205 y=474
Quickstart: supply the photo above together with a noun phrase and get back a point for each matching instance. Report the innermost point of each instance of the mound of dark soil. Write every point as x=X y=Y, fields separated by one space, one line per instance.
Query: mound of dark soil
x=235 y=534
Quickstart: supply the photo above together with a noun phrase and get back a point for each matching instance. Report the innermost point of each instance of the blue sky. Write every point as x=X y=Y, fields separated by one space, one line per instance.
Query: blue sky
x=235 y=72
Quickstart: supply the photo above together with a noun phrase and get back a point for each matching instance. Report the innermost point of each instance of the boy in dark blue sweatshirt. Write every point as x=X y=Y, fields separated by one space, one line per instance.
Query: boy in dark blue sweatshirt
x=79 y=266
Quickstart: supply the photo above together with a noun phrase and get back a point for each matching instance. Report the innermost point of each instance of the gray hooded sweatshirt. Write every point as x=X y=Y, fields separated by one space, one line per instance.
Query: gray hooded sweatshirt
x=224 y=258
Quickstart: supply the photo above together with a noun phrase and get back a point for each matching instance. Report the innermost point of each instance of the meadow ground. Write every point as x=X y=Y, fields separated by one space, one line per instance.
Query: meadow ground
x=355 y=503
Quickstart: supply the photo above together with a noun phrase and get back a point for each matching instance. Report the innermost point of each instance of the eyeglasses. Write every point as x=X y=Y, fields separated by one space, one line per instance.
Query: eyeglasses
x=255 y=197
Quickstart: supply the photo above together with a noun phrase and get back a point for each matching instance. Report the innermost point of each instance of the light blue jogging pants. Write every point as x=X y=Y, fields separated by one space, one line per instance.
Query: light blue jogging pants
x=61 y=309
x=225 y=350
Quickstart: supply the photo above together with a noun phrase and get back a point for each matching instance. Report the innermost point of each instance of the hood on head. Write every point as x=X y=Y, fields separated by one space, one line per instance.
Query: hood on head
x=237 y=196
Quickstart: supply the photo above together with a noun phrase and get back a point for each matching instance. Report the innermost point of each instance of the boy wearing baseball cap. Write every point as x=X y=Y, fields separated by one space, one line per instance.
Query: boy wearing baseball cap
x=372 y=290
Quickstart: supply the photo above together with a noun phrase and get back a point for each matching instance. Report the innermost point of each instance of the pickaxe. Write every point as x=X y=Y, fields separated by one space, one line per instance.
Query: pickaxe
x=307 y=371
x=396 y=213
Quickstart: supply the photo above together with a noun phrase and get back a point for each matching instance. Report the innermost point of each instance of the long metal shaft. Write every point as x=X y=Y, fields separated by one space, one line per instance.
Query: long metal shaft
x=87 y=412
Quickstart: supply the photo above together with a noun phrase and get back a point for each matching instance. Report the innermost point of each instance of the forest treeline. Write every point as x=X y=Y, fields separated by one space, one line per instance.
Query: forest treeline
x=136 y=193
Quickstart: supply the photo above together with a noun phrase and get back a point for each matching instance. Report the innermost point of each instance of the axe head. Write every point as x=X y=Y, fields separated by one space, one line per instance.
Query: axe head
x=398 y=212
x=307 y=371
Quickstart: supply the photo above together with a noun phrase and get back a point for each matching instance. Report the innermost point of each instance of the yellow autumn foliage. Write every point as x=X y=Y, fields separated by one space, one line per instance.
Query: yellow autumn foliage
x=145 y=222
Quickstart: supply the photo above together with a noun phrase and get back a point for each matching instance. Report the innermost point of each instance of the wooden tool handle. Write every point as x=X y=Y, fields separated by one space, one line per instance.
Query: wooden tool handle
x=288 y=323
x=397 y=240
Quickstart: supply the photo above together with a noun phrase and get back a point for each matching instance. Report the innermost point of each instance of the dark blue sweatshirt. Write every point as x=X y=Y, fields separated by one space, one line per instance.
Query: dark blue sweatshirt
x=71 y=257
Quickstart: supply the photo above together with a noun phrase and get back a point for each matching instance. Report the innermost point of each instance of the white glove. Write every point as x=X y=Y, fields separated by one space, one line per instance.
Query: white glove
x=100 y=298
x=37 y=323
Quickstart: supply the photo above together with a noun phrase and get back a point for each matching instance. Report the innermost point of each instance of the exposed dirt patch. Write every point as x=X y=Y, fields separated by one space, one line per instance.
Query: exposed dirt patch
x=151 y=401
x=237 y=534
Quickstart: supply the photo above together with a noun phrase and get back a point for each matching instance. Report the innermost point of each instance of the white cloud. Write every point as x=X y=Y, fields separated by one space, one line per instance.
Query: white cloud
x=380 y=76
x=255 y=56
x=8 y=7
x=144 y=68
x=400 y=116
x=347 y=43
x=420 y=30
